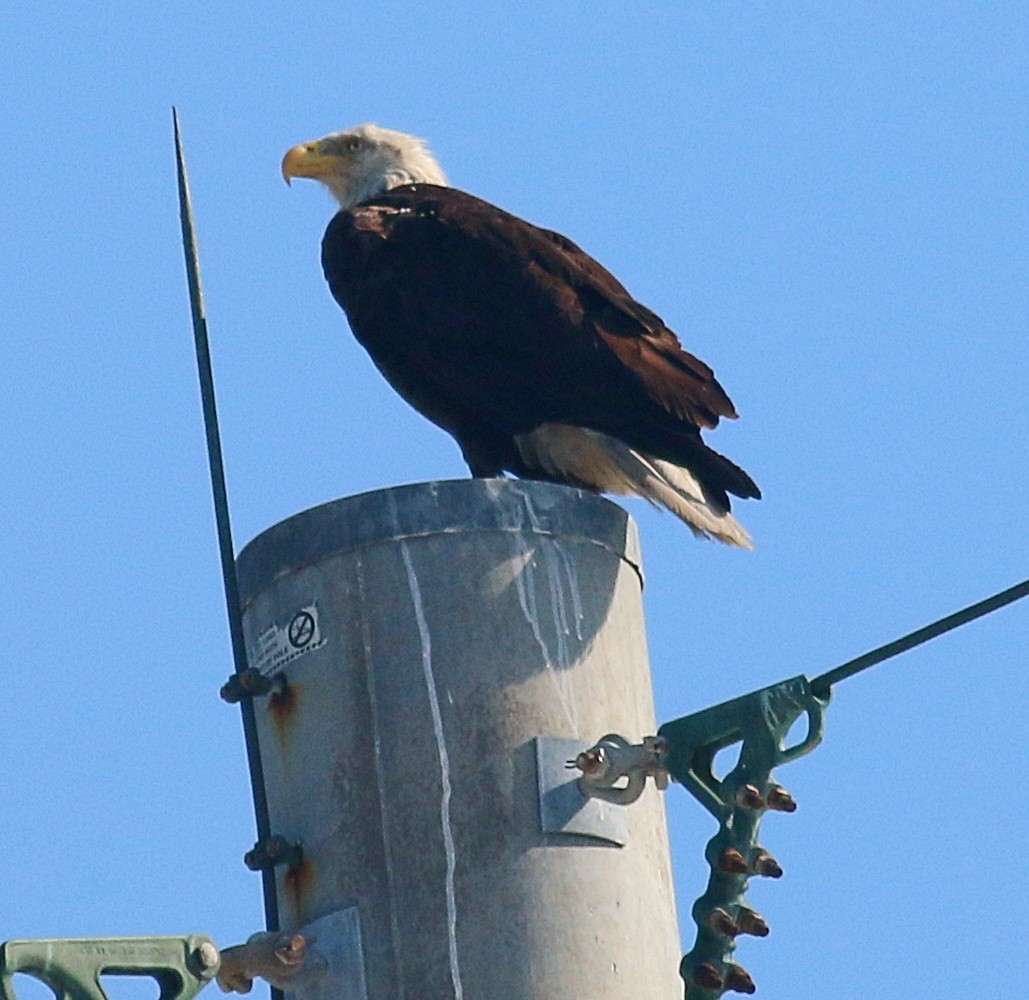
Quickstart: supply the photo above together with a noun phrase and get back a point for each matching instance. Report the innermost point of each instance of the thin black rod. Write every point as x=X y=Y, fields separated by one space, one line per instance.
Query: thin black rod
x=820 y=685
x=221 y=512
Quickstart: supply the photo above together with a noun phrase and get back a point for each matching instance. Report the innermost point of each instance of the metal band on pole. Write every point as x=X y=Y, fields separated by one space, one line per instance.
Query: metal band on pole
x=221 y=513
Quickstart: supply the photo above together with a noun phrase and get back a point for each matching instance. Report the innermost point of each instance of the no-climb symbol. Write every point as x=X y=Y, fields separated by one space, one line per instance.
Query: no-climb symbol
x=301 y=629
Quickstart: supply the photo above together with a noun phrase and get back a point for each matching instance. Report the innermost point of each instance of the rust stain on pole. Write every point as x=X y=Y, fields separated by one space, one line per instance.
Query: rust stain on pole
x=297 y=884
x=282 y=707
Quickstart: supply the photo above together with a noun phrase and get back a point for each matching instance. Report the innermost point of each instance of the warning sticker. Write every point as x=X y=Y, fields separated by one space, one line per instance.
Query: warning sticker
x=278 y=645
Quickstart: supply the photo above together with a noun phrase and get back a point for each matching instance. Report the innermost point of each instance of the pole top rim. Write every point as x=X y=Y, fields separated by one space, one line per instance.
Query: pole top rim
x=419 y=510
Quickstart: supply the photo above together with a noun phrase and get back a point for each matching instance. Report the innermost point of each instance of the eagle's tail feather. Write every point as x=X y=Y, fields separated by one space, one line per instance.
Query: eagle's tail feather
x=600 y=462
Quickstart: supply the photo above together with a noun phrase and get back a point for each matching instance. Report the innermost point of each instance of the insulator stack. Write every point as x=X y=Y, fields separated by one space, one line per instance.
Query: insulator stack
x=722 y=913
x=760 y=722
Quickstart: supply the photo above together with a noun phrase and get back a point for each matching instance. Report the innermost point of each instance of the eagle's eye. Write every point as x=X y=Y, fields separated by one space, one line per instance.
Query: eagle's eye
x=353 y=144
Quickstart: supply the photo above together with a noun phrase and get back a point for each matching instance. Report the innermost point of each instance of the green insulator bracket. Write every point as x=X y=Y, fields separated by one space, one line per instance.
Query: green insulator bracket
x=72 y=967
x=760 y=722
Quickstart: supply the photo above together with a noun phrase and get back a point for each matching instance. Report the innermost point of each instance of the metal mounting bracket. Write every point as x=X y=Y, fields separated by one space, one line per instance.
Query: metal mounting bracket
x=322 y=961
x=760 y=722
x=72 y=967
x=685 y=750
x=564 y=808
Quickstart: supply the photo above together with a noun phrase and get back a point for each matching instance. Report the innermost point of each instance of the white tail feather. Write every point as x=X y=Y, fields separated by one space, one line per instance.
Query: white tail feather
x=605 y=464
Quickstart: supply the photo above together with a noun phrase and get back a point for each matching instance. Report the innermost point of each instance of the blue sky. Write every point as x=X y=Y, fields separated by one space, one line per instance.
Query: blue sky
x=830 y=205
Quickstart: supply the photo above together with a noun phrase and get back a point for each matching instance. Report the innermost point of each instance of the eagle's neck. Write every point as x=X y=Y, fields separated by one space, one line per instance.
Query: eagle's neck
x=418 y=167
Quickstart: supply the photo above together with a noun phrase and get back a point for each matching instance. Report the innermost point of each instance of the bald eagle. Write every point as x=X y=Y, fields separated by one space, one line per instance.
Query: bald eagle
x=513 y=339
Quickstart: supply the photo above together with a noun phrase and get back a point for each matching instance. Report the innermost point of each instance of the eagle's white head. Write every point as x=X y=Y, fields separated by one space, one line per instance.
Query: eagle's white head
x=362 y=162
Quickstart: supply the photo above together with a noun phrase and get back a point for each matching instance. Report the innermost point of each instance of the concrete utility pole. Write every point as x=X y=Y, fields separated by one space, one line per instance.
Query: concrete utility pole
x=439 y=653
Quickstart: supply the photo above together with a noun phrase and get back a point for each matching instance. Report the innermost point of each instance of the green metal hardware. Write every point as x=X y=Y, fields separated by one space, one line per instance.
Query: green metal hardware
x=760 y=721
x=72 y=967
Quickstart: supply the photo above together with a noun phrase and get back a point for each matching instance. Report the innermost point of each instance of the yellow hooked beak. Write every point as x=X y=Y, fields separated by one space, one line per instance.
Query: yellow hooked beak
x=307 y=160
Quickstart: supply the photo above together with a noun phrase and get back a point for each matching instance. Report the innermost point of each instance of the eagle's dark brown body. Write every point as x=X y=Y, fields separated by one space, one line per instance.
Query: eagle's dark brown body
x=492 y=328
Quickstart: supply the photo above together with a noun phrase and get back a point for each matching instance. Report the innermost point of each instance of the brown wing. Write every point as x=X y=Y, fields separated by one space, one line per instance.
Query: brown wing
x=491 y=326
x=680 y=382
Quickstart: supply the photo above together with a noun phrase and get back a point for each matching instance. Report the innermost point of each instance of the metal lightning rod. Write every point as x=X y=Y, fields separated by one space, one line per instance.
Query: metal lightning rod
x=221 y=513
